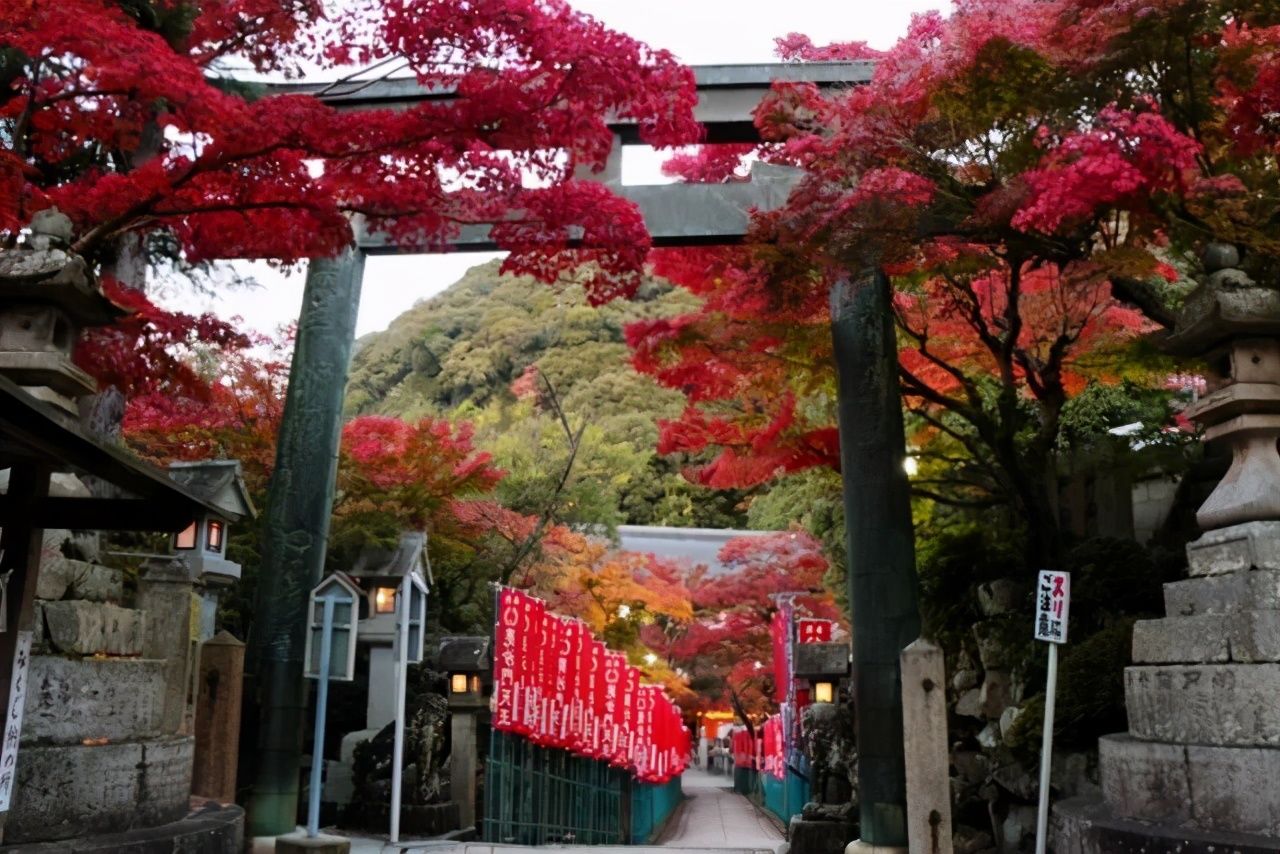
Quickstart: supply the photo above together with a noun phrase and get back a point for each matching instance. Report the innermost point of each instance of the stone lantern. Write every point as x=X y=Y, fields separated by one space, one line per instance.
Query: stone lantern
x=47 y=297
x=824 y=666
x=1197 y=769
x=202 y=545
x=469 y=663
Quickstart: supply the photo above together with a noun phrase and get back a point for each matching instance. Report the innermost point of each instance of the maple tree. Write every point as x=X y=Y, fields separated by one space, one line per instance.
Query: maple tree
x=121 y=115
x=635 y=602
x=1037 y=178
x=726 y=650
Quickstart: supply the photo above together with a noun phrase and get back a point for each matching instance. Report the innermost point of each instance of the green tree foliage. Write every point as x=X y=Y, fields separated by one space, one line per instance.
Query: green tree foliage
x=492 y=348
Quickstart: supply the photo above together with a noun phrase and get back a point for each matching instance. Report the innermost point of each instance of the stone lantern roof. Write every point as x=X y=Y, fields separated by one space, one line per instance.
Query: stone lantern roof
x=220 y=483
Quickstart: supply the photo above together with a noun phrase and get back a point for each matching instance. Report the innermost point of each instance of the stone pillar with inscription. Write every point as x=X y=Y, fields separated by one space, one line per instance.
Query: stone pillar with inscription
x=1198 y=769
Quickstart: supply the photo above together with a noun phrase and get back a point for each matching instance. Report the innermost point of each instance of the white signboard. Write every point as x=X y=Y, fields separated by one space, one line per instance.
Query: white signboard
x=1053 y=602
x=13 y=718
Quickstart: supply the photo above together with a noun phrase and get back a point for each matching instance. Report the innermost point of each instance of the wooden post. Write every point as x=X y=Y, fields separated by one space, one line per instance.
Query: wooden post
x=221 y=687
x=924 y=722
x=21 y=543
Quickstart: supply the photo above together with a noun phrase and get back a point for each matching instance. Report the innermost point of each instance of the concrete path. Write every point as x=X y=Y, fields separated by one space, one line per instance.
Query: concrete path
x=711 y=819
x=713 y=816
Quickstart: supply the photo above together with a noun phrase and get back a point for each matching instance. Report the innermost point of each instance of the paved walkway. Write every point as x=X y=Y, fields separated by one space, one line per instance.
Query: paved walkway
x=712 y=815
x=711 y=819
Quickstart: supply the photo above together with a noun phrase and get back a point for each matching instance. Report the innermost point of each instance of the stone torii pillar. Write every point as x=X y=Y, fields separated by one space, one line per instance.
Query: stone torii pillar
x=296 y=531
x=880 y=548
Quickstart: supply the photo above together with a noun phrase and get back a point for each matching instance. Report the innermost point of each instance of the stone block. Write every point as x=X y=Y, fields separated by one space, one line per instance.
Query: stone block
x=1018 y=827
x=339 y=783
x=1237 y=548
x=970 y=704
x=89 y=628
x=54 y=577
x=1220 y=704
x=1145 y=780
x=996 y=694
x=993 y=648
x=95 y=583
x=321 y=844
x=1235 y=789
x=1177 y=640
x=77 y=579
x=1085 y=825
x=1229 y=789
x=1000 y=596
x=819 y=837
x=70 y=699
x=64 y=791
x=963 y=680
x=1223 y=594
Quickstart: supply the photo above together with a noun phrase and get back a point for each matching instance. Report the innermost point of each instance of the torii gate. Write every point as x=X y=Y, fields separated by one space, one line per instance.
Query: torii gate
x=881 y=556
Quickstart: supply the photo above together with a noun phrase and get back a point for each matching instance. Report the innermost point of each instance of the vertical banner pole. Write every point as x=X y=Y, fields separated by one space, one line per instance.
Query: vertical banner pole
x=1046 y=749
x=402 y=675
x=322 y=701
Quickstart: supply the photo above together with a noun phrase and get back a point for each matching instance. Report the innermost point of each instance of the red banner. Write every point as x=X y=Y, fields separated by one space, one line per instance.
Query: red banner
x=559 y=687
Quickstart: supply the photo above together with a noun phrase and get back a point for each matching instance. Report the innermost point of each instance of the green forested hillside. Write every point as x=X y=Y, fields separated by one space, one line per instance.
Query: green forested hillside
x=457 y=355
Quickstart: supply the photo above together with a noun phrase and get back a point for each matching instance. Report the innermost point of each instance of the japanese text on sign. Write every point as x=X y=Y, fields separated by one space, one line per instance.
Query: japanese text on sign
x=13 y=718
x=813 y=631
x=1053 y=602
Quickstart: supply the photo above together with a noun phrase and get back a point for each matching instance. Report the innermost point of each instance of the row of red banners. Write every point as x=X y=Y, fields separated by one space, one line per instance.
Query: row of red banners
x=559 y=687
x=765 y=753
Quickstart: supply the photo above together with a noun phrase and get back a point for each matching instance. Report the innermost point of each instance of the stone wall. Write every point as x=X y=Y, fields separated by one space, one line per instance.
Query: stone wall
x=103 y=748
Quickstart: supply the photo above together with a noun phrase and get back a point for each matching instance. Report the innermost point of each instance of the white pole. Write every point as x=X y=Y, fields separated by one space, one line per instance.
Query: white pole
x=322 y=702
x=402 y=667
x=1046 y=749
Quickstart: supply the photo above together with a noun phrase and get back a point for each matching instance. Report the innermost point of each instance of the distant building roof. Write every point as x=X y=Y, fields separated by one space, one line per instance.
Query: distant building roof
x=692 y=545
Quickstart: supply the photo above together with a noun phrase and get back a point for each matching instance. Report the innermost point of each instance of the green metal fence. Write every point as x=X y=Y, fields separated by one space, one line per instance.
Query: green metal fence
x=786 y=797
x=651 y=806
x=539 y=795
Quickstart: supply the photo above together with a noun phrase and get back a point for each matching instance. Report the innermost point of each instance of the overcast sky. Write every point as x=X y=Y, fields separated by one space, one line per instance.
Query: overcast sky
x=699 y=32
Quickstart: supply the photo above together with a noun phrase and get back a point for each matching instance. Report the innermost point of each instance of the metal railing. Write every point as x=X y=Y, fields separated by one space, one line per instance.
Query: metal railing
x=541 y=795
x=538 y=795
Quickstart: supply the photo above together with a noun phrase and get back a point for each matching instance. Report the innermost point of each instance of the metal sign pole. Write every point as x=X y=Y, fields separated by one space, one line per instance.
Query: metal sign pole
x=1053 y=606
x=322 y=701
x=1046 y=749
x=402 y=667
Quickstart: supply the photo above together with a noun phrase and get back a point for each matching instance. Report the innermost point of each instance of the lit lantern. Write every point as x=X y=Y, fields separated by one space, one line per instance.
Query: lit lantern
x=824 y=665
x=384 y=600
x=467 y=661
x=202 y=545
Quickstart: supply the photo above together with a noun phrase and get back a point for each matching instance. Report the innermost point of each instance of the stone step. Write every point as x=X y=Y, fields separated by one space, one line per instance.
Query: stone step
x=64 y=791
x=1237 y=548
x=1220 y=704
x=1256 y=590
x=1248 y=636
x=89 y=628
x=71 y=699
x=1213 y=788
x=62 y=577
